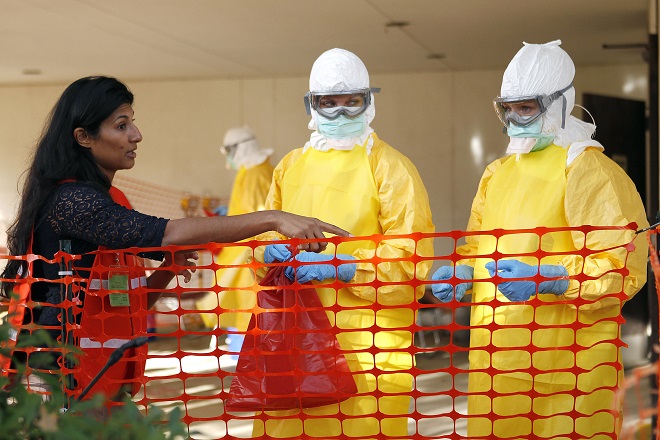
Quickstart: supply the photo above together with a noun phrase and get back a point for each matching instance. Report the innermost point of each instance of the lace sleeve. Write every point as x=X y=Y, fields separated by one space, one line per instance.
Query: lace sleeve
x=80 y=211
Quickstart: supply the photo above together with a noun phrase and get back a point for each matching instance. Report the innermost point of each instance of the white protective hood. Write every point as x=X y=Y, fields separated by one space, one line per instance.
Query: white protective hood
x=248 y=154
x=544 y=69
x=338 y=70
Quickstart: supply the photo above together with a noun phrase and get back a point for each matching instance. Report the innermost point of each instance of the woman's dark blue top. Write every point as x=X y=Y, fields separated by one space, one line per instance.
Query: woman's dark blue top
x=89 y=218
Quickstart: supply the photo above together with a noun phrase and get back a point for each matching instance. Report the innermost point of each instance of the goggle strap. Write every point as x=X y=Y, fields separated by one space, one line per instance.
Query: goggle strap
x=375 y=90
x=559 y=93
x=556 y=95
x=236 y=144
x=308 y=105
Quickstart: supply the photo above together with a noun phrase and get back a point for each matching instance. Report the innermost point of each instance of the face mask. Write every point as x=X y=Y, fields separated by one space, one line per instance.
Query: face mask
x=531 y=131
x=342 y=127
x=230 y=164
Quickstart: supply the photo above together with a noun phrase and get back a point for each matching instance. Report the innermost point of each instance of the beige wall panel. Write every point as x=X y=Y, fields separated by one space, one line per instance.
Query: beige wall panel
x=257 y=109
x=413 y=115
x=291 y=118
x=627 y=81
x=183 y=124
x=22 y=115
x=478 y=136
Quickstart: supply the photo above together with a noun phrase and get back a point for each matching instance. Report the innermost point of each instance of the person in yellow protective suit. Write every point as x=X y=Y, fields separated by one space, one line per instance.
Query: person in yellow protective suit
x=347 y=175
x=253 y=170
x=254 y=173
x=554 y=176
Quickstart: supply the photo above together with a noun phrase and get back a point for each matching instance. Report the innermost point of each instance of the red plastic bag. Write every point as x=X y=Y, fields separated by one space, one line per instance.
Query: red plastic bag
x=290 y=357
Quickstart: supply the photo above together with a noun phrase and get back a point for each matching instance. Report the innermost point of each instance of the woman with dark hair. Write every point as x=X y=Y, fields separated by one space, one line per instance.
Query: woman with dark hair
x=68 y=195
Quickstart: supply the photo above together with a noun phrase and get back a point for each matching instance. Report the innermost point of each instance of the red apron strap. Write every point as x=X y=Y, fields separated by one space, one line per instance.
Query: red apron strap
x=116 y=194
x=119 y=197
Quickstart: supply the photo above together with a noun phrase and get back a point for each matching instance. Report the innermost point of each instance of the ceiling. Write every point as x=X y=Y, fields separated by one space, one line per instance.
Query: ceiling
x=54 y=41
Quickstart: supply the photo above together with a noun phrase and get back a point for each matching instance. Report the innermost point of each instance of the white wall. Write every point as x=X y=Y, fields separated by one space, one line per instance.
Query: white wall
x=444 y=122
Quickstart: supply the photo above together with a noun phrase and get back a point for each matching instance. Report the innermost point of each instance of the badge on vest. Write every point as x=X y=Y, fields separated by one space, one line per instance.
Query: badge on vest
x=118 y=287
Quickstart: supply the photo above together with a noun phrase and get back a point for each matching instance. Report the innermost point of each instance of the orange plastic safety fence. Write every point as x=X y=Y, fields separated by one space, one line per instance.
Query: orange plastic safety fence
x=636 y=384
x=484 y=367
x=639 y=379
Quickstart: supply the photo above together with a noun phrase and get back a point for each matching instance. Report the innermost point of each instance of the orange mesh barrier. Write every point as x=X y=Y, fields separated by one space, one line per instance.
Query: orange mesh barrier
x=638 y=381
x=401 y=352
x=637 y=384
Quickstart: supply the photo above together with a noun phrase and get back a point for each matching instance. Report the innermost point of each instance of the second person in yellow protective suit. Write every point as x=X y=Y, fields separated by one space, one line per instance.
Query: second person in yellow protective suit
x=253 y=170
x=345 y=174
x=547 y=371
x=253 y=176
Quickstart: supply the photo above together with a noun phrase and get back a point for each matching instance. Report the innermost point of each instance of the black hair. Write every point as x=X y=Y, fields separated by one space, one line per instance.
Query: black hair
x=85 y=104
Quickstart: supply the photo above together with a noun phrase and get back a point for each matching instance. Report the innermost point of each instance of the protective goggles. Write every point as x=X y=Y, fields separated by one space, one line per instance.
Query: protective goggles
x=524 y=110
x=326 y=106
x=230 y=149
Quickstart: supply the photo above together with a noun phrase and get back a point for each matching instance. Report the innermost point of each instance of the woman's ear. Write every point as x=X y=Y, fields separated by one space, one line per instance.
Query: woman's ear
x=81 y=137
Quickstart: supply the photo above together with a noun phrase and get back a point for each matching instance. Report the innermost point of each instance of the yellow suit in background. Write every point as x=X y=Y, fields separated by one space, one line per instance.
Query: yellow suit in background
x=250 y=189
x=528 y=191
x=248 y=195
x=365 y=193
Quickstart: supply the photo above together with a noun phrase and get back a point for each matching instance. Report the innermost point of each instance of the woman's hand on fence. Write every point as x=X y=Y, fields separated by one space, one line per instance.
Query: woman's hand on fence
x=183 y=258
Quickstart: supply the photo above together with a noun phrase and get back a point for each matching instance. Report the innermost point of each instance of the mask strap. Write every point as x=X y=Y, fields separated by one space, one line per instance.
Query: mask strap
x=591 y=116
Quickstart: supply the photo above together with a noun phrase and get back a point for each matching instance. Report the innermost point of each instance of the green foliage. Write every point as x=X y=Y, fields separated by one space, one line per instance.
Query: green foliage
x=25 y=415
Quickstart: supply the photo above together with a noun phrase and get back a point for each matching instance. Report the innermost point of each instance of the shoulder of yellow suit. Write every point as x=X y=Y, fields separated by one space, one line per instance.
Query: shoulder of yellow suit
x=381 y=152
x=593 y=155
x=390 y=165
x=290 y=158
x=593 y=161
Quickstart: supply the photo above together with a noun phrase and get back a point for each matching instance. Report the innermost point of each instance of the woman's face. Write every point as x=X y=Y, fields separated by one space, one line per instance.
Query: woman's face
x=114 y=147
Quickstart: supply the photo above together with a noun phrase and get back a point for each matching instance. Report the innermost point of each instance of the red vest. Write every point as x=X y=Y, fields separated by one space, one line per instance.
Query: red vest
x=103 y=326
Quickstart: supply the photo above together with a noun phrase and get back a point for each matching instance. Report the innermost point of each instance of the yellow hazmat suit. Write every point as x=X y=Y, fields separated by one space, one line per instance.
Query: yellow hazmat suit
x=248 y=195
x=250 y=189
x=376 y=193
x=559 y=394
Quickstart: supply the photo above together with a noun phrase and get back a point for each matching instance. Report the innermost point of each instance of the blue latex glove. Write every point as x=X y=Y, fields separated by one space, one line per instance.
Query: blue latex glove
x=308 y=272
x=276 y=252
x=320 y=272
x=221 y=210
x=445 y=291
x=523 y=290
